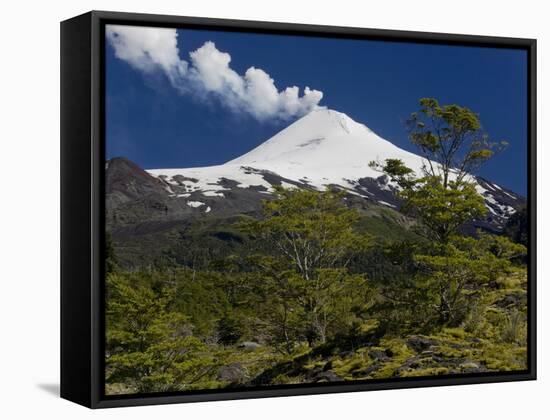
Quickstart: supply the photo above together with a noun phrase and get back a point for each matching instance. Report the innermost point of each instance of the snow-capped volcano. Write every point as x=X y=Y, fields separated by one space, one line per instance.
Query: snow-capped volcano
x=323 y=148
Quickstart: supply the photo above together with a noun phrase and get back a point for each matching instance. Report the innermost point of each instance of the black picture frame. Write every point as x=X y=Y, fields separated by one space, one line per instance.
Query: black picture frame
x=82 y=206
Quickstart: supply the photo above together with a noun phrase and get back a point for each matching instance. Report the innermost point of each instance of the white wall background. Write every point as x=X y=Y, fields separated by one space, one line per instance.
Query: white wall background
x=29 y=209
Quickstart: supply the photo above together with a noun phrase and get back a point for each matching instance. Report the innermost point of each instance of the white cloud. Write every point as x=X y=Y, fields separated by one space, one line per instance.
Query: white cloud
x=148 y=49
x=211 y=67
x=208 y=73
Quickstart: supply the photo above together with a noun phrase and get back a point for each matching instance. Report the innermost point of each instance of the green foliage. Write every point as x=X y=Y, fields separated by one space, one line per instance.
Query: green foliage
x=457 y=272
x=441 y=205
x=502 y=247
x=513 y=329
x=442 y=210
x=451 y=271
x=310 y=230
x=445 y=275
x=312 y=241
x=149 y=346
x=450 y=137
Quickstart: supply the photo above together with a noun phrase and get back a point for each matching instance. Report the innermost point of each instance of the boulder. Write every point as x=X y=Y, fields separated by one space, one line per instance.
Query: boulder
x=233 y=373
x=249 y=345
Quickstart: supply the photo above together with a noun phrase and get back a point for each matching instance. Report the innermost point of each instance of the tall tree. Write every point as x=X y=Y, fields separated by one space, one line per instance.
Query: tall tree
x=444 y=197
x=454 y=145
x=312 y=240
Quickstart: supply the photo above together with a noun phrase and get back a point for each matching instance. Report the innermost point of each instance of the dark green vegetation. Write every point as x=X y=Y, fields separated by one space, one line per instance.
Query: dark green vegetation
x=320 y=288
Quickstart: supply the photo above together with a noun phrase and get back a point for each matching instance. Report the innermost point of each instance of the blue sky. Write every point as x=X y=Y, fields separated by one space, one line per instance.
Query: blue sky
x=156 y=121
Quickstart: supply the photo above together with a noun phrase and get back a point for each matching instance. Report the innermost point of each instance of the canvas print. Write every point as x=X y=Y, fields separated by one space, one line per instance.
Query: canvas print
x=287 y=210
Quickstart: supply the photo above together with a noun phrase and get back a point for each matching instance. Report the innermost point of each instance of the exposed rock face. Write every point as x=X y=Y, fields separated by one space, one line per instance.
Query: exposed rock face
x=133 y=196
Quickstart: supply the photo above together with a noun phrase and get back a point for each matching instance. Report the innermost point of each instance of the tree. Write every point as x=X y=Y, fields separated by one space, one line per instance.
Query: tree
x=444 y=198
x=453 y=144
x=441 y=209
x=312 y=230
x=451 y=140
x=311 y=240
x=457 y=272
x=280 y=289
x=149 y=347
